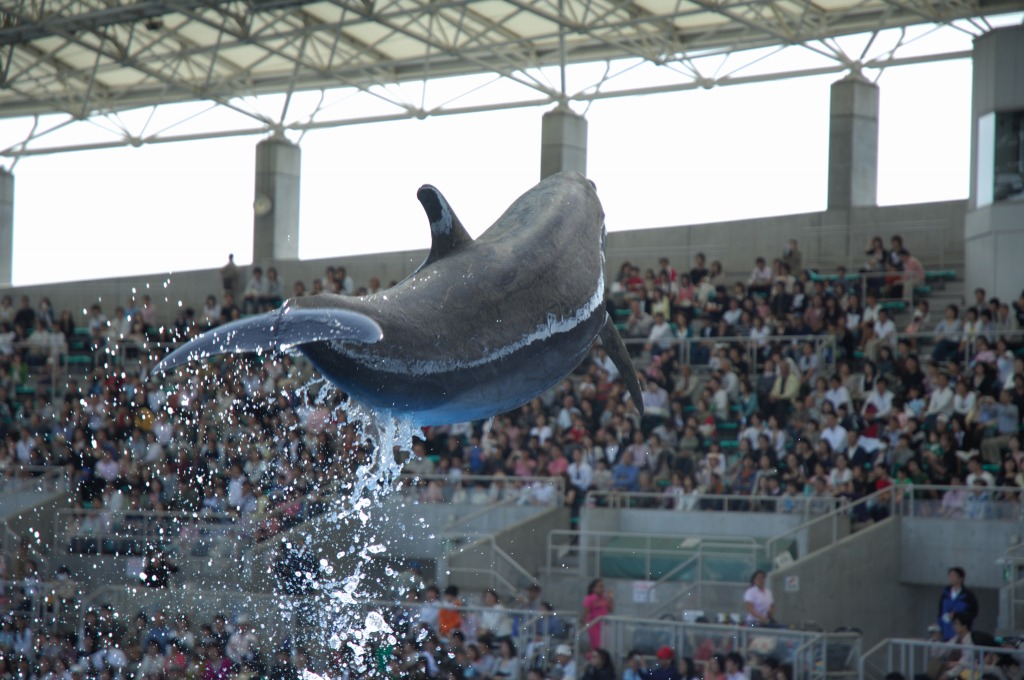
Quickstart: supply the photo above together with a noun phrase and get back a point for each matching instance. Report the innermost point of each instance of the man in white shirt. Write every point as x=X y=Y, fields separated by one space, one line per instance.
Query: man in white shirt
x=976 y=472
x=941 y=400
x=834 y=434
x=730 y=381
x=720 y=407
x=885 y=330
x=580 y=473
x=659 y=335
x=878 y=405
x=760 y=277
x=837 y=393
x=605 y=363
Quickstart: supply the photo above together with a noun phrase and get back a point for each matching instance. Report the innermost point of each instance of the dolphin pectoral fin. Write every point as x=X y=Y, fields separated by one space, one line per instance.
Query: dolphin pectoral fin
x=446 y=231
x=620 y=356
x=275 y=331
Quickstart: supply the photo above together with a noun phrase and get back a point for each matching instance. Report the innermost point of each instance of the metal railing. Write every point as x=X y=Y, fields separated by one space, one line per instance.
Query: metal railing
x=35 y=478
x=589 y=549
x=810 y=655
x=133 y=534
x=39 y=601
x=915 y=658
x=267 y=614
x=11 y=546
x=1012 y=606
x=535 y=632
x=824 y=349
x=826 y=528
x=961 y=502
x=480 y=489
x=502 y=570
x=806 y=506
x=918 y=235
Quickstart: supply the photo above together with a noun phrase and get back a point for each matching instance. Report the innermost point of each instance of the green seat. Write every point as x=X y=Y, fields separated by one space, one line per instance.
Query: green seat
x=79 y=359
x=894 y=305
x=940 y=275
x=25 y=390
x=729 y=444
x=922 y=290
x=729 y=425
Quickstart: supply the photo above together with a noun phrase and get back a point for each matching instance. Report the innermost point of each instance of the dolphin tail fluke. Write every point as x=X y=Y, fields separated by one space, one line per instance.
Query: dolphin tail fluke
x=620 y=356
x=275 y=331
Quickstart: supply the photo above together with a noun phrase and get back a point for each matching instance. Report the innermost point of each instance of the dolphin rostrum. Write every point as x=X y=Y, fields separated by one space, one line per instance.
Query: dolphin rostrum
x=480 y=328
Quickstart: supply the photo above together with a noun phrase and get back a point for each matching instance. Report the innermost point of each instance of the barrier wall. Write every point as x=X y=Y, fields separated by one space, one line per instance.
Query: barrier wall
x=933 y=231
x=854 y=583
x=931 y=545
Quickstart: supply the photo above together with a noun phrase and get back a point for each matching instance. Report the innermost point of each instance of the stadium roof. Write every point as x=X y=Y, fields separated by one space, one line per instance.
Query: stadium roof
x=89 y=58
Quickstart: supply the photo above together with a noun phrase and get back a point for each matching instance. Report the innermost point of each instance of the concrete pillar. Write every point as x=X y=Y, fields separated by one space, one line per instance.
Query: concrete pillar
x=276 y=201
x=6 y=227
x=994 y=226
x=563 y=142
x=853 y=144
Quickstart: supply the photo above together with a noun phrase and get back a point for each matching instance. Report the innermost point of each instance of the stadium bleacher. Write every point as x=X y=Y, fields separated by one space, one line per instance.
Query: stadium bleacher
x=753 y=391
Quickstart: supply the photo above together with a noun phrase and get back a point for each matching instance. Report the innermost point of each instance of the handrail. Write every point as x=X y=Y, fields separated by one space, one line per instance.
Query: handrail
x=911 y=657
x=407 y=482
x=668 y=576
x=44 y=478
x=615 y=499
x=592 y=542
x=527 y=633
x=620 y=634
x=824 y=347
x=1012 y=563
x=924 y=227
x=988 y=503
x=888 y=493
x=448 y=530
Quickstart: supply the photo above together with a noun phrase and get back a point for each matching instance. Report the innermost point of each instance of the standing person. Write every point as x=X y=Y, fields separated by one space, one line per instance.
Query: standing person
x=229 y=276
x=956 y=597
x=758 y=601
x=596 y=604
x=793 y=258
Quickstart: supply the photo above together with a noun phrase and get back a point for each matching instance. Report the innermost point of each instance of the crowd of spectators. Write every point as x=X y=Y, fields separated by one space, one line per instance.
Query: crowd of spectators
x=152 y=646
x=244 y=438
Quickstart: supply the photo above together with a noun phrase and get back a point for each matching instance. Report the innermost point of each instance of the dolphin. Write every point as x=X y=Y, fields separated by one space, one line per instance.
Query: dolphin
x=481 y=327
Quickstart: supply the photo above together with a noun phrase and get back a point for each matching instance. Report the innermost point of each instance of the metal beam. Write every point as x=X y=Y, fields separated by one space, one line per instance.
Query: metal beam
x=21 y=150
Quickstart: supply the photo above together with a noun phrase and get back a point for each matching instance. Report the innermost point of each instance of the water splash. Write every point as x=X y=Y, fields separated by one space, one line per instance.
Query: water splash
x=341 y=584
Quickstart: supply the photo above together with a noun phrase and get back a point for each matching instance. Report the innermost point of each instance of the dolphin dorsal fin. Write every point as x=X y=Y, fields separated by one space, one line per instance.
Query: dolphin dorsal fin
x=446 y=231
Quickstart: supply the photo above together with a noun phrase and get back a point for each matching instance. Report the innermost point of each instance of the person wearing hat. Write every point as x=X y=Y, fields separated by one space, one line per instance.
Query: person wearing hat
x=667 y=668
x=565 y=665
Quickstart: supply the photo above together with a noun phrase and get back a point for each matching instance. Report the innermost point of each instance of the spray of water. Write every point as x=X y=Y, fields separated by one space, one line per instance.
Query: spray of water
x=341 y=585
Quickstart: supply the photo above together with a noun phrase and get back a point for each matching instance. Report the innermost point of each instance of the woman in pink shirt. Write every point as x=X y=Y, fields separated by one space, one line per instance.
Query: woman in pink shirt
x=596 y=604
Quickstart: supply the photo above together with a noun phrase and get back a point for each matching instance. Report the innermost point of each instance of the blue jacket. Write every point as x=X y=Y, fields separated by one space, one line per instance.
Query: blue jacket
x=965 y=601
